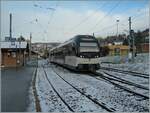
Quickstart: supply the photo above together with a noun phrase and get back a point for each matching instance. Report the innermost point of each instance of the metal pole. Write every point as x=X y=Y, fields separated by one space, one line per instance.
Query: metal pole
x=10 y=29
x=20 y=52
x=16 y=56
x=130 y=32
x=117 y=27
x=133 y=46
x=46 y=50
x=30 y=46
x=129 y=40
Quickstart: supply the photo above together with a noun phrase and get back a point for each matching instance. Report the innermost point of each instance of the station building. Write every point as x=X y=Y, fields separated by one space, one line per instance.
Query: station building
x=118 y=50
x=13 y=53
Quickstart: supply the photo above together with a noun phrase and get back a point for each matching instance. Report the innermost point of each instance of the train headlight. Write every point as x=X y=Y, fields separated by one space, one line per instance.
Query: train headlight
x=81 y=56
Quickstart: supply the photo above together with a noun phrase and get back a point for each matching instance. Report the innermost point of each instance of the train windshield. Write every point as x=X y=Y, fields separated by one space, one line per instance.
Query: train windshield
x=89 y=47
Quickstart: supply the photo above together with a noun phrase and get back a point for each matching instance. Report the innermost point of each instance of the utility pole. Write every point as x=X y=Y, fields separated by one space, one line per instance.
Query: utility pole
x=131 y=41
x=130 y=32
x=117 y=26
x=10 y=28
x=30 y=46
x=20 y=52
x=133 y=45
x=46 y=50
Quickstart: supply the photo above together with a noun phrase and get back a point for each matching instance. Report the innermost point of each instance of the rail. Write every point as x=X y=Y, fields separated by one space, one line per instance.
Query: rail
x=117 y=85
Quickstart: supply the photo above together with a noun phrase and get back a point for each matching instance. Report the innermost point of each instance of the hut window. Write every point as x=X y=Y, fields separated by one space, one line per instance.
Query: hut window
x=8 y=54
x=13 y=54
x=117 y=51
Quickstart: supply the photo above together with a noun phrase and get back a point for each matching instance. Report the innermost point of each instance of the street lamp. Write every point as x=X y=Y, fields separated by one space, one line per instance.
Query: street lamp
x=117 y=26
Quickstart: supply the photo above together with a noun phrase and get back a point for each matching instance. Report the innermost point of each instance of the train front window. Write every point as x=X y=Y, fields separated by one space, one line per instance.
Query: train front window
x=89 y=47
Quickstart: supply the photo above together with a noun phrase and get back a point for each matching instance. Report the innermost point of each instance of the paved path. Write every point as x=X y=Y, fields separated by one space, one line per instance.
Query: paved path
x=14 y=90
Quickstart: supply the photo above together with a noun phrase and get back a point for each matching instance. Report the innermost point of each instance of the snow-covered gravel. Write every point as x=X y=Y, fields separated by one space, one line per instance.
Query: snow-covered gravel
x=49 y=100
x=76 y=101
x=129 y=77
x=105 y=92
x=100 y=90
x=136 y=89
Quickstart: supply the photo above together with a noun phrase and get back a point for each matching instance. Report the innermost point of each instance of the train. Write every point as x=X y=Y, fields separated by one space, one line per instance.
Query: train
x=82 y=52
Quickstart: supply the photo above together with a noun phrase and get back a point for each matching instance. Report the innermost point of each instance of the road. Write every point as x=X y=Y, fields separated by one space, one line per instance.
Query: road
x=14 y=90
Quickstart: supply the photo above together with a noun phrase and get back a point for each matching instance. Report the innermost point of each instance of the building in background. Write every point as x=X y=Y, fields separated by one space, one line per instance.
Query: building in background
x=40 y=48
x=145 y=47
x=118 y=50
x=13 y=53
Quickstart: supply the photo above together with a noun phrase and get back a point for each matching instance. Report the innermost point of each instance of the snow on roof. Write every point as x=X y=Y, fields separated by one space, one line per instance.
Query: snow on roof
x=5 y=45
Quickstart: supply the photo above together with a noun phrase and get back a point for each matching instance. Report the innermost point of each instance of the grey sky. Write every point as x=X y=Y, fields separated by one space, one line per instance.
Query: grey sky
x=71 y=18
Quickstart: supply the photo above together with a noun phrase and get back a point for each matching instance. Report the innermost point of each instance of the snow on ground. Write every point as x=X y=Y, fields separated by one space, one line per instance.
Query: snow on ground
x=128 y=77
x=49 y=100
x=136 y=89
x=100 y=90
x=76 y=101
x=31 y=107
x=105 y=92
x=141 y=63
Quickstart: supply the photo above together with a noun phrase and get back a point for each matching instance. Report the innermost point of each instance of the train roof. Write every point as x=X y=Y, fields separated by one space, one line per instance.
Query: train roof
x=75 y=38
x=82 y=36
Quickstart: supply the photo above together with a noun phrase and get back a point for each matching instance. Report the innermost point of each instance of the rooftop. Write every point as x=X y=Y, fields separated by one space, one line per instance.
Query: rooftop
x=12 y=45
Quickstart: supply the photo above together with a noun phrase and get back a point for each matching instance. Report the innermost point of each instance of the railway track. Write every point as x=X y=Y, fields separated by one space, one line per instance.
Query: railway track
x=111 y=76
x=112 y=81
x=126 y=72
x=101 y=104
x=57 y=92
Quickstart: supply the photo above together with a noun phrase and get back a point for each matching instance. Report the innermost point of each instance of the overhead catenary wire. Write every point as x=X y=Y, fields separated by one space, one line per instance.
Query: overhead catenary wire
x=51 y=17
x=101 y=19
x=52 y=14
x=134 y=17
x=112 y=26
x=48 y=8
x=87 y=18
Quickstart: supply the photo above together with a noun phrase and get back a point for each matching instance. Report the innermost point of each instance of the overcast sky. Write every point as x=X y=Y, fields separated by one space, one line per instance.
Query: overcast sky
x=57 y=21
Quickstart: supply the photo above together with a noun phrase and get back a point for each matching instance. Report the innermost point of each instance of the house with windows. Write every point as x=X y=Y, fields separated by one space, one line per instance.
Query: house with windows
x=13 y=53
x=118 y=50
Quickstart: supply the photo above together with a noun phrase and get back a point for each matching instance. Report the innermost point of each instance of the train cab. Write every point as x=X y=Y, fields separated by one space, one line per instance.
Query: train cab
x=81 y=52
